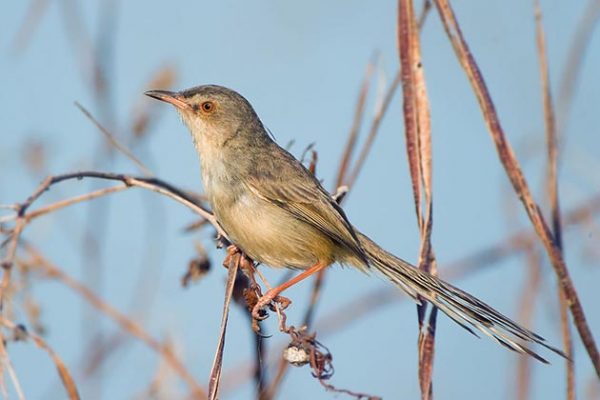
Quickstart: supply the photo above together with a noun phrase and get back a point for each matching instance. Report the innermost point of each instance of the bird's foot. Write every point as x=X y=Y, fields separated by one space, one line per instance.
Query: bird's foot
x=266 y=300
x=232 y=250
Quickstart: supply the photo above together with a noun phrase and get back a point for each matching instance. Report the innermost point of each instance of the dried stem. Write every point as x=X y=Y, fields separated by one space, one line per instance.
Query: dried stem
x=126 y=324
x=574 y=62
x=526 y=310
x=379 y=114
x=6 y=363
x=215 y=372
x=417 y=128
x=145 y=112
x=8 y=261
x=567 y=345
x=130 y=181
x=154 y=184
x=356 y=123
x=424 y=13
x=114 y=142
x=36 y=10
x=63 y=372
x=552 y=189
x=517 y=178
x=67 y=202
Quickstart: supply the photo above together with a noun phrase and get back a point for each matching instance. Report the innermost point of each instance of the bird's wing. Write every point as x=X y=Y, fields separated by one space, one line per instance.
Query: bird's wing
x=287 y=184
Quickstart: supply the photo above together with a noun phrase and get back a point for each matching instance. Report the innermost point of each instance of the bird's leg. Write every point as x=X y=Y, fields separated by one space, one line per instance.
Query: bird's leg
x=249 y=269
x=273 y=294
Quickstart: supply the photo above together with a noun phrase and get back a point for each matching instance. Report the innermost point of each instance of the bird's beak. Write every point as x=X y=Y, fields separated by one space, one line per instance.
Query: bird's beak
x=170 y=97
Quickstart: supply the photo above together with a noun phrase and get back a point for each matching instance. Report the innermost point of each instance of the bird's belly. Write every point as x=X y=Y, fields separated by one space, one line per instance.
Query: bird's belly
x=271 y=235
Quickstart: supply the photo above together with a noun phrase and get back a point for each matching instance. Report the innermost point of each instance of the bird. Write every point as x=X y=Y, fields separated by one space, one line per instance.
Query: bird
x=277 y=213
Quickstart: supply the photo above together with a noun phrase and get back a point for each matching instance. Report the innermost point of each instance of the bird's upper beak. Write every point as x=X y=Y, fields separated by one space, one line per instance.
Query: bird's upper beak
x=170 y=97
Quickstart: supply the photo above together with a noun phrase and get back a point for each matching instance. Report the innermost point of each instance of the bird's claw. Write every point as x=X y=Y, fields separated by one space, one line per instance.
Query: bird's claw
x=258 y=312
x=232 y=250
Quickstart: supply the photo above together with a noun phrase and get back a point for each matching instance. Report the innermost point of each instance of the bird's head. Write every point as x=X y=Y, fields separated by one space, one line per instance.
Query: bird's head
x=214 y=114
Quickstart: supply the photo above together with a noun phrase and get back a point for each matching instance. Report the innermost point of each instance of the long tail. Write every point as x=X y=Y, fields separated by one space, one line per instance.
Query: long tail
x=466 y=310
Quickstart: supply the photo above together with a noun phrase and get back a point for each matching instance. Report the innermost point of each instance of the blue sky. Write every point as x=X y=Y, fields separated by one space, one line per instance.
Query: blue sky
x=300 y=64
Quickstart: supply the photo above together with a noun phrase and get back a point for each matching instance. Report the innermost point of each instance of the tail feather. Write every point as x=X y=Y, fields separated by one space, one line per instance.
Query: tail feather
x=463 y=308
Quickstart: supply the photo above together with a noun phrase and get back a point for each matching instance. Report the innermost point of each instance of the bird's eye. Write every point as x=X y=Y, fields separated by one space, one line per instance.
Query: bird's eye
x=207 y=107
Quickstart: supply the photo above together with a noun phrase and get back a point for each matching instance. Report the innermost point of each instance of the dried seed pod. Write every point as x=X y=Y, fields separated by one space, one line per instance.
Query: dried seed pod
x=296 y=355
x=197 y=268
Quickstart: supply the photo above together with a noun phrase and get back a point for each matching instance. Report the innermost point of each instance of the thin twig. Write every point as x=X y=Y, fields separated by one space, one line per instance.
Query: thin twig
x=574 y=62
x=423 y=14
x=552 y=189
x=375 y=123
x=567 y=345
x=113 y=141
x=217 y=366
x=417 y=128
x=36 y=10
x=154 y=184
x=6 y=363
x=356 y=123
x=125 y=323
x=63 y=372
x=147 y=183
x=68 y=202
x=514 y=173
x=7 y=263
x=145 y=112
x=526 y=310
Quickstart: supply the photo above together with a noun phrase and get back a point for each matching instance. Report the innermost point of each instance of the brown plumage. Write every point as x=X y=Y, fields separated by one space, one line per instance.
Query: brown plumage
x=275 y=210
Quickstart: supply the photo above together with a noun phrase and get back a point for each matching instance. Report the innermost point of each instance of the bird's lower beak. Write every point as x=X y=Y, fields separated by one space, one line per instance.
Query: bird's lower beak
x=170 y=97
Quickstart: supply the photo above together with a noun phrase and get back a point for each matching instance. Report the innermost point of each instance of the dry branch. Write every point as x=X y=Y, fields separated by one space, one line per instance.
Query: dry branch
x=215 y=372
x=35 y=12
x=5 y=363
x=125 y=323
x=63 y=372
x=22 y=218
x=373 y=130
x=112 y=140
x=574 y=62
x=417 y=128
x=356 y=123
x=552 y=189
x=513 y=170
x=526 y=310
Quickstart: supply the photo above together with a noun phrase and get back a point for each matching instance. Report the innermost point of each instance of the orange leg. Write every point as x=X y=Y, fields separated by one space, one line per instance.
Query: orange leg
x=273 y=293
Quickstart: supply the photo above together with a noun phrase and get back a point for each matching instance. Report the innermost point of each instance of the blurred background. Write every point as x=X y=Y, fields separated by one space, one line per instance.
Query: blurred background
x=301 y=65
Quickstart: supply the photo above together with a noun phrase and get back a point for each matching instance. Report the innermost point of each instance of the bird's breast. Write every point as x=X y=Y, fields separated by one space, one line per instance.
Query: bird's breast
x=269 y=234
